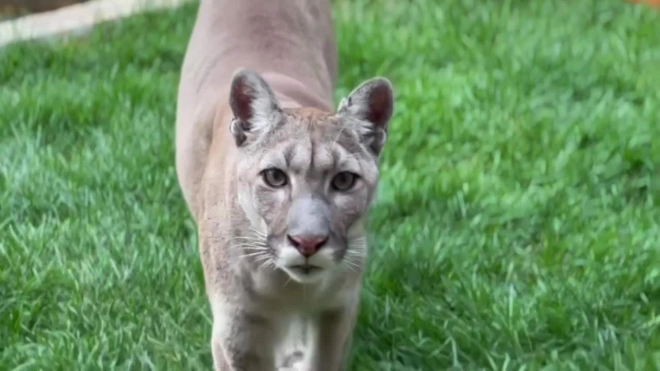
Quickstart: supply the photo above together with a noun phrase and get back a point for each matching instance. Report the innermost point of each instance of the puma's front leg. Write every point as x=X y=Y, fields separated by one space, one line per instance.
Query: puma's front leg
x=331 y=339
x=242 y=342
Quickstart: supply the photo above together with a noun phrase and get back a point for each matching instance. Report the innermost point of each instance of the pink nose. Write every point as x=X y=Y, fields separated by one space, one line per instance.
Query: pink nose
x=308 y=245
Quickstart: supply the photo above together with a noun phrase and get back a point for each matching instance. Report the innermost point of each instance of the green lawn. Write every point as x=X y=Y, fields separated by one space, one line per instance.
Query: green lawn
x=518 y=223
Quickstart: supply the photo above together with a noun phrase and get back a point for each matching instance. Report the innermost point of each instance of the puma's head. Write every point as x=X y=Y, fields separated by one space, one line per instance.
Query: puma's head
x=306 y=177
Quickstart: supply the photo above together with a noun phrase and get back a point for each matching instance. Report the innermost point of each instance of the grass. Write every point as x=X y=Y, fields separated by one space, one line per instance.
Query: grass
x=518 y=224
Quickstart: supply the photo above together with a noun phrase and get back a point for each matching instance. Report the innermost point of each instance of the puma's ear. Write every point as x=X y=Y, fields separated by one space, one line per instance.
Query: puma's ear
x=252 y=103
x=373 y=104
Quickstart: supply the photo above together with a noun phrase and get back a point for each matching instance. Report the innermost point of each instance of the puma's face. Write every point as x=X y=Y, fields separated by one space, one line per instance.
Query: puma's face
x=306 y=178
x=305 y=186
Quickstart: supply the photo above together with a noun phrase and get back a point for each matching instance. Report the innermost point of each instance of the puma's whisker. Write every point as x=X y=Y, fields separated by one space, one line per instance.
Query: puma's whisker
x=268 y=263
x=254 y=254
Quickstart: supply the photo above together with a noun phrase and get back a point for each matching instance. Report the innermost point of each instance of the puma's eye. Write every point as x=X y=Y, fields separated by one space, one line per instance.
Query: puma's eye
x=344 y=181
x=274 y=178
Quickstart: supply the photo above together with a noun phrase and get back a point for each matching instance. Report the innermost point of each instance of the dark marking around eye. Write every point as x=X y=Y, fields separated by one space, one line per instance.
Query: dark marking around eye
x=311 y=160
x=289 y=153
x=336 y=157
x=339 y=160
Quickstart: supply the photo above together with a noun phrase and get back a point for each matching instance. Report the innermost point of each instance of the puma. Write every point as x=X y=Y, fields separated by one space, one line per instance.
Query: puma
x=278 y=182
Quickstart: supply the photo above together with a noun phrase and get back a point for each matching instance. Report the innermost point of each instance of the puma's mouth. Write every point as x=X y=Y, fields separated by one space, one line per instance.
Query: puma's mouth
x=305 y=273
x=305 y=269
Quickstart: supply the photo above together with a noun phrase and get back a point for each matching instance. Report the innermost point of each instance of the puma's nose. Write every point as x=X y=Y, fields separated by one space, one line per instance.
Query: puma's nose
x=308 y=245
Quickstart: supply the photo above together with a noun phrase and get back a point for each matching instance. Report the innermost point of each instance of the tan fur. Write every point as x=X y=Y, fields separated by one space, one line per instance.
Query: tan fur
x=256 y=91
